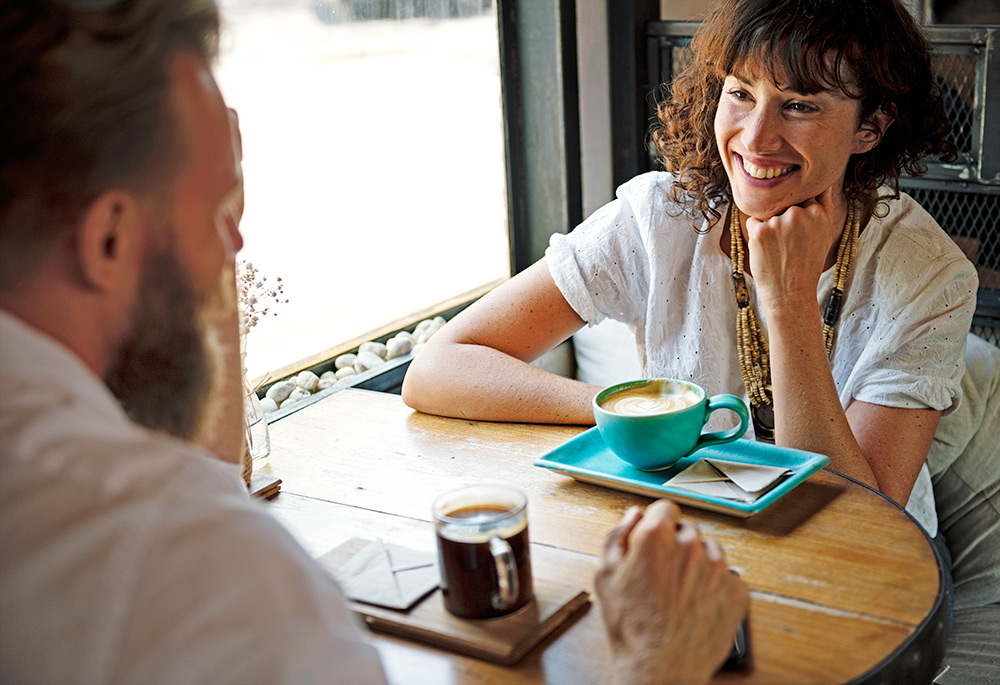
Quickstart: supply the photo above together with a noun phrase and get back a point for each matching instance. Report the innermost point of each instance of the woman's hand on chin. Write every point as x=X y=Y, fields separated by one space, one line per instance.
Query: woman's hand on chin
x=789 y=251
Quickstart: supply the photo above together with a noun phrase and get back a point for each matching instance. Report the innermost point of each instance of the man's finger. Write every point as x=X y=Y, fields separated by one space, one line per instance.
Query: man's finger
x=616 y=542
x=665 y=510
x=714 y=550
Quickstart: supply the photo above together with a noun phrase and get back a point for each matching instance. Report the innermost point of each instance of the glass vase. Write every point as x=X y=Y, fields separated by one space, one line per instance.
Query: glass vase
x=258 y=441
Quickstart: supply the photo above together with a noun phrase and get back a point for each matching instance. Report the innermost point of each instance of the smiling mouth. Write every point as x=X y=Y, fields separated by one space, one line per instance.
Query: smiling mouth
x=761 y=172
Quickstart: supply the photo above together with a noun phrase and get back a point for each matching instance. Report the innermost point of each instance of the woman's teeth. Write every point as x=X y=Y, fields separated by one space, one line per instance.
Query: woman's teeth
x=763 y=172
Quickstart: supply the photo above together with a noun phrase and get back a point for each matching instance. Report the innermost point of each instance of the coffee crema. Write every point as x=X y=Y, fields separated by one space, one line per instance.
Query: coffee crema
x=646 y=400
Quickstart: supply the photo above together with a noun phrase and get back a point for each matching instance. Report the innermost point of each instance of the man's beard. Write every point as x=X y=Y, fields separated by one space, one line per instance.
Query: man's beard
x=162 y=370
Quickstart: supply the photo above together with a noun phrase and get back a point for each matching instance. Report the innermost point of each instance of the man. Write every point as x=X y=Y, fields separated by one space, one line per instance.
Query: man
x=131 y=552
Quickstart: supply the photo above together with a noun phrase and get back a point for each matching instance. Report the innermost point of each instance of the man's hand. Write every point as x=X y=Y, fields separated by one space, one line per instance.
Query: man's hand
x=671 y=606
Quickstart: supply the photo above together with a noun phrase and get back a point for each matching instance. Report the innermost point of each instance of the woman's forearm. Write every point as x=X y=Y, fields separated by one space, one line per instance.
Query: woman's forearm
x=807 y=410
x=477 y=366
x=477 y=382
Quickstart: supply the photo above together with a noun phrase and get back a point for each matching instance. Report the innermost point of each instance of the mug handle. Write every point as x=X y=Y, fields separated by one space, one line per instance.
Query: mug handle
x=507 y=580
x=733 y=403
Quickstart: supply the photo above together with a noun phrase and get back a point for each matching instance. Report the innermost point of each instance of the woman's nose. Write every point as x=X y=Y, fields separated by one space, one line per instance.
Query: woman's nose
x=762 y=131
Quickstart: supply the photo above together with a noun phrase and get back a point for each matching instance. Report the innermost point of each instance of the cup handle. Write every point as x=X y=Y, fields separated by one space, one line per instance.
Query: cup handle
x=507 y=580
x=733 y=403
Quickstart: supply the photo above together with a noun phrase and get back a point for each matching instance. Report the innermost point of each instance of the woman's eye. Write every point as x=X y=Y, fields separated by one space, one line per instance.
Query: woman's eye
x=739 y=94
x=801 y=107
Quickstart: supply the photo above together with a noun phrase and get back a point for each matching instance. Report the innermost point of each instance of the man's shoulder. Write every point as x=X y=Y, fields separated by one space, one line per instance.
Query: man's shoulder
x=165 y=566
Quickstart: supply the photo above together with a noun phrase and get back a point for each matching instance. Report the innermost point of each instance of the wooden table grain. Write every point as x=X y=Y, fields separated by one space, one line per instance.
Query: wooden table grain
x=844 y=584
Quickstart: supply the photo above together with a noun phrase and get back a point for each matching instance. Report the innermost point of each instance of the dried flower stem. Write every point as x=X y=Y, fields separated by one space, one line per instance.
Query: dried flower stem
x=256 y=298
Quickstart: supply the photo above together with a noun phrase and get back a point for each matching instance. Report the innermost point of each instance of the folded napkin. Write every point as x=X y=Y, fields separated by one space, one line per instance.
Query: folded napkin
x=389 y=575
x=728 y=479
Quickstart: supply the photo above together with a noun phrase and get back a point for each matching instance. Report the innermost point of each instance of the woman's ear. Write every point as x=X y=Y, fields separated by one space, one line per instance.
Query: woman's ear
x=106 y=240
x=873 y=128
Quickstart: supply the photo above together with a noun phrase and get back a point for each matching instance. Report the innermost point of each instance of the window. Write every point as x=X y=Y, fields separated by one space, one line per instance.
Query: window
x=374 y=161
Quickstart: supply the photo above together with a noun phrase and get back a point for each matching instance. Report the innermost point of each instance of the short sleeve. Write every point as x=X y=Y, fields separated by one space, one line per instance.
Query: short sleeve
x=916 y=347
x=602 y=267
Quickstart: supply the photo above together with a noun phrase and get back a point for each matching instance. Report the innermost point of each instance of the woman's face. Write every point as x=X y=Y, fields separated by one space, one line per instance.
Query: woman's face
x=781 y=148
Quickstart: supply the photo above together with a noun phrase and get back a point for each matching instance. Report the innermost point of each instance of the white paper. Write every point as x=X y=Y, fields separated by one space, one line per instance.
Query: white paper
x=727 y=479
x=750 y=478
x=699 y=472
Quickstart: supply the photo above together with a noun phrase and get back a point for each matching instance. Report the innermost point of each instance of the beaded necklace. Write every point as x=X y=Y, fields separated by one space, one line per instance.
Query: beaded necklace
x=755 y=363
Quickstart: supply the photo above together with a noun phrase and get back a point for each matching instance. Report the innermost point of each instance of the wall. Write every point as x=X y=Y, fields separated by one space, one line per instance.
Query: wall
x=595 y=104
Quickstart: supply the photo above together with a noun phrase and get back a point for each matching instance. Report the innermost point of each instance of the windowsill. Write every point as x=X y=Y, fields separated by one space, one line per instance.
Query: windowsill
x=323 y=361
x=385 y=378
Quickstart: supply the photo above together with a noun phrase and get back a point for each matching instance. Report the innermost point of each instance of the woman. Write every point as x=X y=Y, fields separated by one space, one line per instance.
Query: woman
x=844 y=312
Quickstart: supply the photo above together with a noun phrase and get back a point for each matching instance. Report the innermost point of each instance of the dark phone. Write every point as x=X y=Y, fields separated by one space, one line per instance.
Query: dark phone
x=739 y=657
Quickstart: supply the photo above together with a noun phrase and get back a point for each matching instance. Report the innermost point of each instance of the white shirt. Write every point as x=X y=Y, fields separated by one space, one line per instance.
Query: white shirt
x=131 y=557
x=900 y=340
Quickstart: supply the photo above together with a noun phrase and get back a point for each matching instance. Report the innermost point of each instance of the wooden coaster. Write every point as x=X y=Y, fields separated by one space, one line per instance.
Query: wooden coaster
x=265 y=487
x=502 y=640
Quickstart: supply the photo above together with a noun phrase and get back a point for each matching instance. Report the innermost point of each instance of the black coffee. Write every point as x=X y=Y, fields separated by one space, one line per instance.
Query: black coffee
x=469 y=577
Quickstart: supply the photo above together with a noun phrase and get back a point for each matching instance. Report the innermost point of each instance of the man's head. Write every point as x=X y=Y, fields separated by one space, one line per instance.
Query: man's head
x=117 y=180
x=85 y=108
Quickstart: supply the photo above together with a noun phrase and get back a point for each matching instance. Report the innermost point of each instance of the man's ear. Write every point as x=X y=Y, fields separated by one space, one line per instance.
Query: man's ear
x=873 y=128
x=107 y=239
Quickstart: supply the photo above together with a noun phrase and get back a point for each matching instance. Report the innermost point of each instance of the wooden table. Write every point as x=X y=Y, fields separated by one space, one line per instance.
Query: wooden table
x=844 y=585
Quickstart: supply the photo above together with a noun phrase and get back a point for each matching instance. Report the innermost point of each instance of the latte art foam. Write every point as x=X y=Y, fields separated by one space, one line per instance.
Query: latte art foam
x=643 y=401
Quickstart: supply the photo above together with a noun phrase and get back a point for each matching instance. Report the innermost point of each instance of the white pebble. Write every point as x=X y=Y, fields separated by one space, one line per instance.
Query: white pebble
x=328 y=376
x=325 y=383
x=405 y=334
x=346 y=372
x=280 y=391
x=440 y=321
x=424 y=332
x=367 y=360
x=308 y=381
x=374 y=347
x=268 y=405
x=345 y=360
x=397 y=347
x=297 y=395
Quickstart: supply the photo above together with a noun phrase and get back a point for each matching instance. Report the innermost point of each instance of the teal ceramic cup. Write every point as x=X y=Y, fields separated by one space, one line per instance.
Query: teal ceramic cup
x=655 y=422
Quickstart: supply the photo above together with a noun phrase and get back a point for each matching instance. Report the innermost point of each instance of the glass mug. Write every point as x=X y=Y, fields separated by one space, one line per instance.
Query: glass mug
x=483 y=550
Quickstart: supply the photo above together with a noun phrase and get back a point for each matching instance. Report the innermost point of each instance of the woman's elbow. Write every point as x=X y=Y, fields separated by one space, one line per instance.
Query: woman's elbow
x=421 y=384
x=414 y=387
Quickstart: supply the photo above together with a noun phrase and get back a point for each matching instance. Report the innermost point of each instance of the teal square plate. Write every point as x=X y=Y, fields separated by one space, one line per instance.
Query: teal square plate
x=586 y=458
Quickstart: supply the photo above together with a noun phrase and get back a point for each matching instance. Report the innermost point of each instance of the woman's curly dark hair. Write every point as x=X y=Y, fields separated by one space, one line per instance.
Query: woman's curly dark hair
x=872 y=50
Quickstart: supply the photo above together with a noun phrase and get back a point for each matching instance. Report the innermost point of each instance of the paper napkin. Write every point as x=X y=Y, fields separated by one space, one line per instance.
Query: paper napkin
x=389 y=575
x=728 y=479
